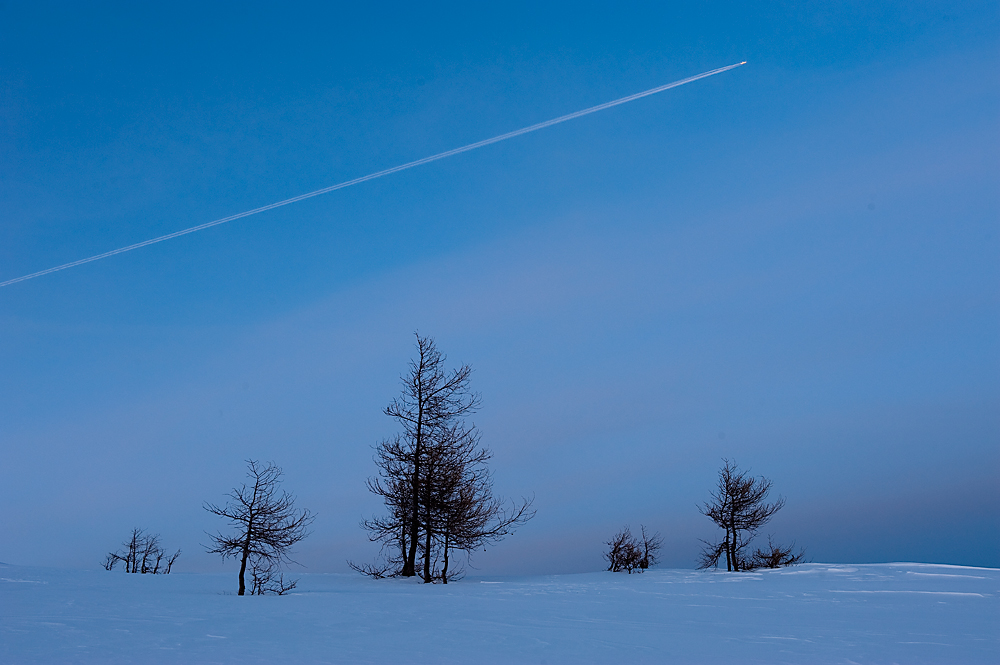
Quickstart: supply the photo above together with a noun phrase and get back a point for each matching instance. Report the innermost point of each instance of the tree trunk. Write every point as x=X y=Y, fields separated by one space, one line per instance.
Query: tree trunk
x=410 y=565
x=729 y=548
x=444 y=569
x=243 y=570
x=243 y=565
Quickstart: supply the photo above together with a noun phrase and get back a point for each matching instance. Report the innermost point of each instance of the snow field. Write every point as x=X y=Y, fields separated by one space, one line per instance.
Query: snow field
x=812 y=613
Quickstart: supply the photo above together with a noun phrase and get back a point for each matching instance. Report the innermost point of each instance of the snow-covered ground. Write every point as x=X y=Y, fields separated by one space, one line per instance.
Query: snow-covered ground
x=813 y=613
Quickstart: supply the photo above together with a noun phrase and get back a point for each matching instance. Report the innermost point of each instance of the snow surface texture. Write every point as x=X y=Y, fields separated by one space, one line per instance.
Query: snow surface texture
x=813 y=613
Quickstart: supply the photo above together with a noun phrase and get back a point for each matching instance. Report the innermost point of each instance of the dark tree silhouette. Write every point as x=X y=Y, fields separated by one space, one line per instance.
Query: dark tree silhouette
x=434 y=477
x=739 y=506
x=266 y=525
x=432 y=399
x=628 y=553
x=142 y=553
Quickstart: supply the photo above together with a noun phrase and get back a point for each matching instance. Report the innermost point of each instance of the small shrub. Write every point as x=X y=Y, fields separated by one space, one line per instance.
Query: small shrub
x=626 y=553
x=142 y=553
x=775 y=556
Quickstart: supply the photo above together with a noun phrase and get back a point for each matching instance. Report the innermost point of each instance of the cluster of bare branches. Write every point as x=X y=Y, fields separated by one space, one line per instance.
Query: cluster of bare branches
x=266 y=577
x=142 y=553
x=434 y=478
x=628 y=553
x=265 y=524
x=776 y=556
x=739 y=506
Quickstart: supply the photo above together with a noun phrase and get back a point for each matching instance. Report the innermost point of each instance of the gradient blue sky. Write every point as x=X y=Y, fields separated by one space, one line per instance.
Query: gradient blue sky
x=793 y=264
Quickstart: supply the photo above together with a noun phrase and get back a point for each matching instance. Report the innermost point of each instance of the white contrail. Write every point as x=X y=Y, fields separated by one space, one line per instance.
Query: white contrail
x=379 y=174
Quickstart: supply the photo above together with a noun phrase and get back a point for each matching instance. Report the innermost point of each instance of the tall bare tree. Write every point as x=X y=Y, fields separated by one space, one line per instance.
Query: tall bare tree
x=432 y=399
x=738 y=506
x=434 y=477
x=265 y=524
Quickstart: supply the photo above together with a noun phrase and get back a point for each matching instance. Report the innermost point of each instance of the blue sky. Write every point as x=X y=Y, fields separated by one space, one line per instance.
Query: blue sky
x=793 y=264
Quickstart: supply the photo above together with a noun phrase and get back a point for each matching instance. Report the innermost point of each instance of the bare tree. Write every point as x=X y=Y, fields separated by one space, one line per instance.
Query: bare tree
x=432 y=398
x=434 y=478
x=266 y=525
x=628 y=553
x=738 y=506
x=141 y=553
